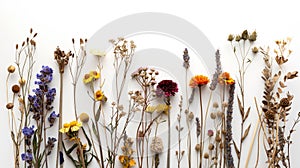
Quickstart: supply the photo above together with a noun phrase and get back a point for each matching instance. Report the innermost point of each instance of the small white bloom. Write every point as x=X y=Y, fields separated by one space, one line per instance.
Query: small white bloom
x=98 y=53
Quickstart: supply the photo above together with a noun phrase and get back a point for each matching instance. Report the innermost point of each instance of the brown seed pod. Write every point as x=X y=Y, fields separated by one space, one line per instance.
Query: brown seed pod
x=284 y=102
x=11 y=69
x=15 y=88
x=10 y=105
x=84 y=117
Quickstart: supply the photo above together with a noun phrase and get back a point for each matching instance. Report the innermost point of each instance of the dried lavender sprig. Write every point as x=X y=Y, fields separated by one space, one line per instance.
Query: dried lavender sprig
x=228 y=135
x=218 y=71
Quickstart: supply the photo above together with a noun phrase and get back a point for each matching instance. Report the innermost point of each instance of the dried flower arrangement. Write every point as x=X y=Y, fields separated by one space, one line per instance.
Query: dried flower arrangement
x=109 y=140
x=276 y=106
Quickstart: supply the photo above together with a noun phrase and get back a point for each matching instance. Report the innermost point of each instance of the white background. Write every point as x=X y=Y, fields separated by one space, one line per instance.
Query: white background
x=59 y=21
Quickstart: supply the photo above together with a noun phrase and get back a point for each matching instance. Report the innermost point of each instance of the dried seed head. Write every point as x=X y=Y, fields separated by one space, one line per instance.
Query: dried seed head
x=213 y=115
x=191 y=116
x=84 y=117
x=22 y=81
x=238 y=38
x=197 y=147
x=218 y=138
x=254 y=50
x=230 y=37
x=15 y=88
x=284 y=102
x=216 y=105
x=10 y=105
x=206 y=155
x=211 y=146
x=11 y=69
x=220 y=114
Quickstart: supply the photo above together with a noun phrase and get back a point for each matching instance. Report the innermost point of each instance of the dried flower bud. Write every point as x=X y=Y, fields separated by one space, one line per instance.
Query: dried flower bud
x=15 y=88
x=198 y=147
x=237 y=38
x=224 y=104
x=22 y=82
x=230 y=37
x=10 y=105
x=220 y=114
x=191 y=116
x=211 y=146
x=245 y=35
x=11 y=69
x=218 y=138
x=253 y=36
x=254 y=50
x=206 y=155
x=215 y=105
x=213 y=115
x=221 y=145
x=84 y=117
x=299 y=114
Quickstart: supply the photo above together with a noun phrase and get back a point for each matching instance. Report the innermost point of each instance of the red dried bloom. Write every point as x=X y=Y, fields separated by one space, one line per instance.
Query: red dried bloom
x=166 y=88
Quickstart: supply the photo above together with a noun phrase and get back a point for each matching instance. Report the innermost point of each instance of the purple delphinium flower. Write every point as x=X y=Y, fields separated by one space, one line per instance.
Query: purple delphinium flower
x=166 y=88
x=52 y=117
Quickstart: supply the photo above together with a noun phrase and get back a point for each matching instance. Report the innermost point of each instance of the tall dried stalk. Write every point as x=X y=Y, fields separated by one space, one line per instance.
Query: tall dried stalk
x=62 y=60
x=241 y=45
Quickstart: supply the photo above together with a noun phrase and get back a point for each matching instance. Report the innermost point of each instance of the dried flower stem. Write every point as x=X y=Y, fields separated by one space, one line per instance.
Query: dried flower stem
x=59 y=146
x=179 y=128
x=201 y=125
x=79 y=60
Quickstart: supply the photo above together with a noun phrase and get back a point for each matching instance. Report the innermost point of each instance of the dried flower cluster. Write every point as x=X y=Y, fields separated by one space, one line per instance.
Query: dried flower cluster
x=102 y=132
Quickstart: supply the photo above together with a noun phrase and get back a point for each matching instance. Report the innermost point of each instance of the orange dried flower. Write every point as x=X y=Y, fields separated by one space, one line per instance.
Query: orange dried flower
x=225 y=78
x=199 y=80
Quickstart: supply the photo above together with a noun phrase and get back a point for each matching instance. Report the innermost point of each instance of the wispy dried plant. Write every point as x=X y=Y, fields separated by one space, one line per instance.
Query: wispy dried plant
x=23 y=68
x=242 y=45
x=277 y=106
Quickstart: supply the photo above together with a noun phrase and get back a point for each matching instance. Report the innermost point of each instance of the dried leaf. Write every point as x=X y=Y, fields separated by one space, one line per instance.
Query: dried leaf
x=94 y=129
x=277 y=94
x=282 y=84
x=246 y=133
x=264 y=102
x=279 y=90
x=236 y=150
x=247 y=114
x=241 y=107
x=97 y=117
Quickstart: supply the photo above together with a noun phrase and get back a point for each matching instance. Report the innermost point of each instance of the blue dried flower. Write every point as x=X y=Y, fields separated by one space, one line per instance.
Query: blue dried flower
x=27 y=157
x=28 y=131
x=52 y=117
